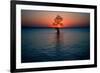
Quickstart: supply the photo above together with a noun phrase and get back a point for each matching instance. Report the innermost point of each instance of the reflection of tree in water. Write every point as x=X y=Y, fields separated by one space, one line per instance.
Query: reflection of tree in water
x=58 y=45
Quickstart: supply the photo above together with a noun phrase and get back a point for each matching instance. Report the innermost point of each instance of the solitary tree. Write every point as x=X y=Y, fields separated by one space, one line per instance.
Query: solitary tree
x=58 y=22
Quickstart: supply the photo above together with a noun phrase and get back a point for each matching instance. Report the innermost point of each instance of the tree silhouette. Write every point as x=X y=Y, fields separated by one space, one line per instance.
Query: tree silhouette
x=58 y=23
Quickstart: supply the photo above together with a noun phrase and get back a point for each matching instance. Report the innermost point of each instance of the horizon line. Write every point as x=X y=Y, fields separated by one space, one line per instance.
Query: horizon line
x=54 y=27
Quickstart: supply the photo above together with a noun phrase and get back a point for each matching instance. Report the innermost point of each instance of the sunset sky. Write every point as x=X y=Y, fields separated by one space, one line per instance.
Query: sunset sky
x=34 y=18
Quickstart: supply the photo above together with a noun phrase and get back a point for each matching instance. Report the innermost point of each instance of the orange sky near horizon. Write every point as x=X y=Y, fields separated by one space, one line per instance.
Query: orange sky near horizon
x=34 y=18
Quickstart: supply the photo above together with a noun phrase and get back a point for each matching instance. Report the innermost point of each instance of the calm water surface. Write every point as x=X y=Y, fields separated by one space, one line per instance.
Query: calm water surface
x=42 y=45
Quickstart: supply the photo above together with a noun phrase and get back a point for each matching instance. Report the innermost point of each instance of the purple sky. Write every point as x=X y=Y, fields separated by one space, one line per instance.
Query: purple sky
x=34 y=18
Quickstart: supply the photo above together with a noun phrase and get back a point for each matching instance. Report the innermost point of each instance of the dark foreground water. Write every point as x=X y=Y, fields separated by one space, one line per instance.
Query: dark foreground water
x=42 y=45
